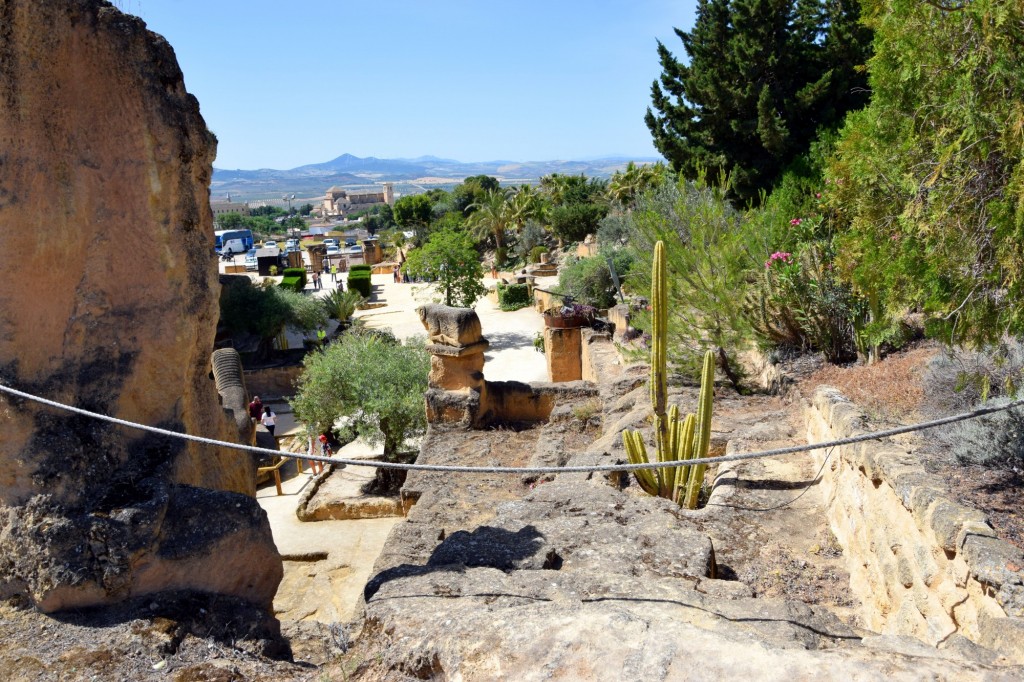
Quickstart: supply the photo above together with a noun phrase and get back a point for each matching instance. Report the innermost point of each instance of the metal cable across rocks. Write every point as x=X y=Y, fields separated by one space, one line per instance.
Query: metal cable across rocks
x=592 y=468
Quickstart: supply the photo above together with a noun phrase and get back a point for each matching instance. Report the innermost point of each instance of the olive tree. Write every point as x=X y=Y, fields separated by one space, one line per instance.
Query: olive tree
x=373 y=382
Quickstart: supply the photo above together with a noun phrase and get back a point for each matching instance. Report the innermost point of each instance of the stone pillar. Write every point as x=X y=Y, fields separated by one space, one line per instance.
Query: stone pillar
x=563 y=349
x=457 y=369
x=456 y=349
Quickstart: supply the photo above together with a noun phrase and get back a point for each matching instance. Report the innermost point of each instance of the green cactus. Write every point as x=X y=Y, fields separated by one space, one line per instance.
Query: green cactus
x=674 y=439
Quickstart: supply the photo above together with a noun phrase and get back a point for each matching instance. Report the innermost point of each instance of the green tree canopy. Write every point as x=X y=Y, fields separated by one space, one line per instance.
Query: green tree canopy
x=472 y=191
x=230 y=221
x=573 y=222
x=413 y=211
x=449 y=258
x=930 y=177
x=375 y=383
x=762 y=78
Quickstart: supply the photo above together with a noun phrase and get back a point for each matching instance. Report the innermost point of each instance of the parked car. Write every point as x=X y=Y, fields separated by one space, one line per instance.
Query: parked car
x=355 y=250
x=291 y=243
x=250 y=260
x=270 y=244
x=333 y=250
x=331 y=241
x=350 y=241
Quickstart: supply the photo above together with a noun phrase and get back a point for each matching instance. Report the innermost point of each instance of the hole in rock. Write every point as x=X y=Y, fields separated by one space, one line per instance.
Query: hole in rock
x=553 y=561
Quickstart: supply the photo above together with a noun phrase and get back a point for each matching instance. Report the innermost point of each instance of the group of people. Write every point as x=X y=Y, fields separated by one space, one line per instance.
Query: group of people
x=261 y=413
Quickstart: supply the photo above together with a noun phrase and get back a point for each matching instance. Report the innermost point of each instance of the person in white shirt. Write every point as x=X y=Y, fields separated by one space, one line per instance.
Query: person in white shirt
x=269 y=419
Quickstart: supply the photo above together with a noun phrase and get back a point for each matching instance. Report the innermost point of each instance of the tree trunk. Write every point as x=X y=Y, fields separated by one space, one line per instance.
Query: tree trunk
x=729 y=370
x=388 y=481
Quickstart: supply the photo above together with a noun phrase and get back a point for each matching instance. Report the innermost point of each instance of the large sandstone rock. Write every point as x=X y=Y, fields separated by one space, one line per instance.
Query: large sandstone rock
x=111 y=305
x=582 y=581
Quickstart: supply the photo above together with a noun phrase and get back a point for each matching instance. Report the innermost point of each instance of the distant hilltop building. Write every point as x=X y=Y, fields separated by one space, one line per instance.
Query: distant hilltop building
x=339 y=202
x=219 y=208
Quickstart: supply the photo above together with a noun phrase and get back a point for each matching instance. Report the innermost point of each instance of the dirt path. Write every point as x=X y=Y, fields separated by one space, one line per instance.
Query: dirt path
x=768 y=516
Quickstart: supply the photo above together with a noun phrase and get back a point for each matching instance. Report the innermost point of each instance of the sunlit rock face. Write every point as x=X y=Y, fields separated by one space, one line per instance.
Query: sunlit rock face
x=109 y=302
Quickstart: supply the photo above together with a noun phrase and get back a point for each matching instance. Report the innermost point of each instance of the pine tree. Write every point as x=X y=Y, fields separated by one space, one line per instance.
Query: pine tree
x=763 y=77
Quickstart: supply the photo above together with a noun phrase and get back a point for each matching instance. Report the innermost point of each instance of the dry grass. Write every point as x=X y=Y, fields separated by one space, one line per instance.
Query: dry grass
x=890 y=391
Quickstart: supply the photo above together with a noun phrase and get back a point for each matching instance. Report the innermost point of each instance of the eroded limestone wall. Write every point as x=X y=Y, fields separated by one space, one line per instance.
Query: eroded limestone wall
x=109 y=302
x=922 y=565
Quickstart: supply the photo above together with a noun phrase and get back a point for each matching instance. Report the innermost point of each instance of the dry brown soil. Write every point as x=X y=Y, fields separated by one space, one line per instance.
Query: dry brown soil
x=892 y=392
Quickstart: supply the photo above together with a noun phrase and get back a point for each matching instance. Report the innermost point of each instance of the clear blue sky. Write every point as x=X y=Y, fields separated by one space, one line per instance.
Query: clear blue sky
x=284 y=84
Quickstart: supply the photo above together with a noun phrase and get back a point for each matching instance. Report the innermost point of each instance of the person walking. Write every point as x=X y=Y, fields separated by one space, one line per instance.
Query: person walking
x=316 y=281
x=334 y=272
x=269 y=419
x=315 y=466
x=255 y=409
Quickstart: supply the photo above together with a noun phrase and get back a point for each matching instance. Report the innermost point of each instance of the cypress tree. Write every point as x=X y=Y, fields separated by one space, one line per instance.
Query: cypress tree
x=763 y=77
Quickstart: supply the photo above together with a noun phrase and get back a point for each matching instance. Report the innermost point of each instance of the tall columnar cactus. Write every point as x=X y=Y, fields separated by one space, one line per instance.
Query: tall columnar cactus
x=674 y=439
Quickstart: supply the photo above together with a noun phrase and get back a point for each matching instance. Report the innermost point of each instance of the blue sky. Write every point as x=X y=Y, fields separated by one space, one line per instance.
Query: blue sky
x=286 y=84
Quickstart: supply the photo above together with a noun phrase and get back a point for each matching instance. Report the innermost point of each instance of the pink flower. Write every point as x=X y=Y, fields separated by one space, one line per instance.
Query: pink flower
x=817 y=195
x=794 y=221
x=783 y=256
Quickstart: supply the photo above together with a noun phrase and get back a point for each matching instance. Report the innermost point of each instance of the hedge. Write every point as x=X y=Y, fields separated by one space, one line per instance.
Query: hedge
x=361 y=267
x=359 y=280
x=293 y=283
x=296 y=272
x=513 y=296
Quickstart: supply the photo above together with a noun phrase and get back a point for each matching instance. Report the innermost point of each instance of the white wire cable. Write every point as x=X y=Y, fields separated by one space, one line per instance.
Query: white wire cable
x=523 y=470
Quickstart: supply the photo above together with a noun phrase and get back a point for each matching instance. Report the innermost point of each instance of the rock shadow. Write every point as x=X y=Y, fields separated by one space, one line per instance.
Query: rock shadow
x=485 y=546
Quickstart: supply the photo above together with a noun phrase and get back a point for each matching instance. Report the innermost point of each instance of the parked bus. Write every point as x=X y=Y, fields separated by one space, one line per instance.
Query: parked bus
x=233 y=241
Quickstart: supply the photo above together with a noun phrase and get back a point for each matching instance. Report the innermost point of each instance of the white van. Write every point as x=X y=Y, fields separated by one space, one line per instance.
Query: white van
x=233 y=246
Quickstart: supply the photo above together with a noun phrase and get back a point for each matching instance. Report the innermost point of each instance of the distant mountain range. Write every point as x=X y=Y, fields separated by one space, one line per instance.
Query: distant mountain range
x=409 y=175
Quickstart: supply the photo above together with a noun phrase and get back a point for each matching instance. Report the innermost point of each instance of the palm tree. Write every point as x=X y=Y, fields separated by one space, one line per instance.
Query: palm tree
x=525 y=204
x=626 y=186
x=491 y=217
x=554 y=186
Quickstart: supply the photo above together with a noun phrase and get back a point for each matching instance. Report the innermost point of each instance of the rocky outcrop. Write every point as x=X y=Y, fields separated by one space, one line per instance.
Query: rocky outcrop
x=582 y=576
x=579 y=580
x=111 y=306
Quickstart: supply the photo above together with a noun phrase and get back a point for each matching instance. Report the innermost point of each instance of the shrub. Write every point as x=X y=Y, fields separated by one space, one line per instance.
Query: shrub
x=341 y=304
x=960 y=379
x=513 y=296
x=361 y=267
x=573 y=222
x=798 y=302
x=536 y=252
x=992 y=440
x=249 y=309
x=296 y=272
x=589 y=280
x=307 y=312
x=292 y=283
x=530 y=237
x=359 y=280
